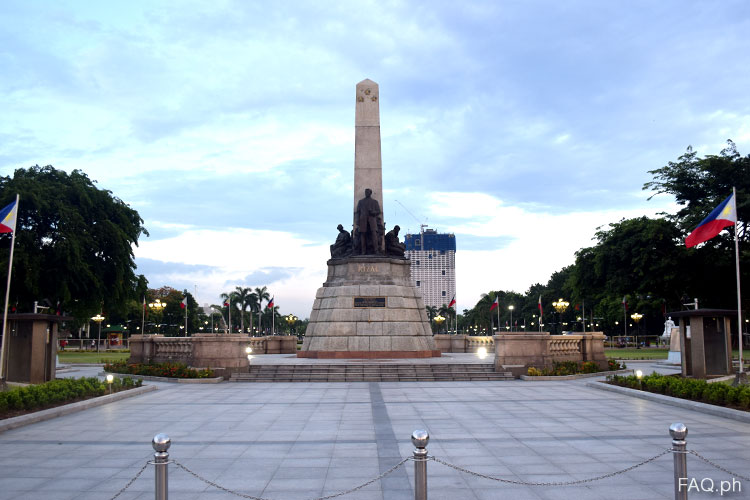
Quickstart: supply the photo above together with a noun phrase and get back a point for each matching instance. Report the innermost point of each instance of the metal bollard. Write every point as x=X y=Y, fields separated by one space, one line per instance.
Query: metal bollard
x=161 y=443
x=679 y=431
x=420 y=438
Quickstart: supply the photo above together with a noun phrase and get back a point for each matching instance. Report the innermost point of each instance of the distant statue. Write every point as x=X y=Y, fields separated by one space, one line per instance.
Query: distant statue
x=369 y=225
x=343 y=246
x=393 y=247
x=668 y=325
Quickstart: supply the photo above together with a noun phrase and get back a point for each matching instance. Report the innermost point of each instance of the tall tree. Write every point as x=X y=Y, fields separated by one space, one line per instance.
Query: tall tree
x=261 y=293
x=243 y=295
x=700 y=184
x=74 y=242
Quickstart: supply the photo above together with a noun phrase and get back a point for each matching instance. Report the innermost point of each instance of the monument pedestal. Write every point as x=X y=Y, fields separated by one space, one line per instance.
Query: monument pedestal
x=368 y=308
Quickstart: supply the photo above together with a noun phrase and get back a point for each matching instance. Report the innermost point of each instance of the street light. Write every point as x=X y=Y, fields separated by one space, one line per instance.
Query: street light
x=157 y=305
x=511 y=317
x=439 y=320
x=98 y=318
x=636 y=317
x=291 y=319
x=560 y=305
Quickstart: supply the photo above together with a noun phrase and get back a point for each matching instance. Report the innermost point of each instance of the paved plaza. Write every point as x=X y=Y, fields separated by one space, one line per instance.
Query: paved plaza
x=307 y=440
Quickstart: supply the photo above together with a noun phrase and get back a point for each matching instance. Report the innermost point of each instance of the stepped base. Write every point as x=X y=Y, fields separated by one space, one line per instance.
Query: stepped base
x=368 y=308
x=367 y=354
x=356 y=372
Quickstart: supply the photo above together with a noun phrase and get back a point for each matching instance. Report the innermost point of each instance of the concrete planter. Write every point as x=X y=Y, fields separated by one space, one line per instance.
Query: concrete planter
x=538 y=378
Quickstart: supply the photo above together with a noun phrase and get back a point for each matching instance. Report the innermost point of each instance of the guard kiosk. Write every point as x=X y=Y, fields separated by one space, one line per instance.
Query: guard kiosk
x=706 y=341
x=32 y=347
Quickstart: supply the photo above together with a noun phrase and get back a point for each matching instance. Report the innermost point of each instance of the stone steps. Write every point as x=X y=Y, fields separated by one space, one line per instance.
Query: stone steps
x=370 y=373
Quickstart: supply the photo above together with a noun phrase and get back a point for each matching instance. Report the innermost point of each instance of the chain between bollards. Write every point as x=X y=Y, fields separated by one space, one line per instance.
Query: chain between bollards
x=161 y=443
x=420 y=438
x=679 y=431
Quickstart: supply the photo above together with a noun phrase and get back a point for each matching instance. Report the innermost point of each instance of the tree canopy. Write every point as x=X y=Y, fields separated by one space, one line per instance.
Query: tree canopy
x=644 y=260
x=74 y=243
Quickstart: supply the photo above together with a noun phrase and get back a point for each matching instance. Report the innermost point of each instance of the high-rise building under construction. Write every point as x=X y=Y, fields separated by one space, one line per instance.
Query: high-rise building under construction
x=433 y=265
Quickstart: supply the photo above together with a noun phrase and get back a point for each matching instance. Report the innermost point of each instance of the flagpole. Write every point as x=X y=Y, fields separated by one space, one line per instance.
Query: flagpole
x=186 y=318
x=4 y=346
x=143 y=316
x=737 y=265
x=498 y=316
x=583 y=314
x=229 y=313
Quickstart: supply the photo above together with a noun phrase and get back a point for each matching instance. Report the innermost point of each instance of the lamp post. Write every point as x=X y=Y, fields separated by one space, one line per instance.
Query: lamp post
x=560 y=305
x=291 y=319
x=636 y=317
x=157 y=305
x=510 y=308
x=98 y=318
x=439 y=320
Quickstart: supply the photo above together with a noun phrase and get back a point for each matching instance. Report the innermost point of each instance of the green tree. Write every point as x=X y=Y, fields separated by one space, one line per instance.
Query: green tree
x=261 y=294
x=74 y=243
x=700 y=184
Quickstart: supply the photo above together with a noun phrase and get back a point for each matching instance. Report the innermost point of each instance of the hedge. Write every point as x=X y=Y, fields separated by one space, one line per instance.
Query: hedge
x=688 y=388
x=54 y=392
x=172 y=370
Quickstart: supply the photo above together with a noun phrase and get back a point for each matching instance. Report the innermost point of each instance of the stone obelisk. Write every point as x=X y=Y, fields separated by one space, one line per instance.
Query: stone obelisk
x=368 y=166
x=368 y=306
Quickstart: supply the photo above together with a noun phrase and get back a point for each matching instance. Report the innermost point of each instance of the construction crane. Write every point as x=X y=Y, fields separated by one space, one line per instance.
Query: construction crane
x=421 y=226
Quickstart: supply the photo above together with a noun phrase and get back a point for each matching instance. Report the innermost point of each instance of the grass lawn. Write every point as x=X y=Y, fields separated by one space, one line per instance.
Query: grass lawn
x=646 y=353
x=655 y=353
x=91 y=357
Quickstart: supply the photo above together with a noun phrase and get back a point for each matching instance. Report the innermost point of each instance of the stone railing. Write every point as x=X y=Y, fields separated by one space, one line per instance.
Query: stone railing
x=463 y=343
x=516 y=352
x=563 y=346
x=207 y=350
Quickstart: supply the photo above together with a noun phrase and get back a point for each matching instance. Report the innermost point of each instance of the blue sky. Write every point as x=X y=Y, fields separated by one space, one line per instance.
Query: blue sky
x=520 y=126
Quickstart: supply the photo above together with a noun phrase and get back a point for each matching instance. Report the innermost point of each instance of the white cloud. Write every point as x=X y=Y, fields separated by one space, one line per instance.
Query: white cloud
x=540 y=242
x=233 y=254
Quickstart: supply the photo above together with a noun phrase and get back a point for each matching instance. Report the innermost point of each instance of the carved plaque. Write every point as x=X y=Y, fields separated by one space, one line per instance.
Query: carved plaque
x=369 y=301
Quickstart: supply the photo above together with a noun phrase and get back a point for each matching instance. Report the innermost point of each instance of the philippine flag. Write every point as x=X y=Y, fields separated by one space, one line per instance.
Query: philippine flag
x=183 y=304
x=8 y=218
x=453 y=302
x=722 y=216
x=270 y=303
x=539 y=305
x=495 y=304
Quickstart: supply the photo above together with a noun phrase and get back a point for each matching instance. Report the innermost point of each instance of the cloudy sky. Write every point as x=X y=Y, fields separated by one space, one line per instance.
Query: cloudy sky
x=520 y=126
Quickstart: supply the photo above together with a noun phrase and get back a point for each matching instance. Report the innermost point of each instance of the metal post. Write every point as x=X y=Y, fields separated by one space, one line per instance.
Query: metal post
x=161 y=444
x=679 y=431
x=420 y=438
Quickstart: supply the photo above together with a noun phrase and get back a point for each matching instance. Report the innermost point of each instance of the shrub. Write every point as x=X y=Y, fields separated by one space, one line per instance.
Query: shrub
x=699 y=390
x=534 y=372
x=589 y=367
x=614 y=365
x=171 y=370
x=35 y=397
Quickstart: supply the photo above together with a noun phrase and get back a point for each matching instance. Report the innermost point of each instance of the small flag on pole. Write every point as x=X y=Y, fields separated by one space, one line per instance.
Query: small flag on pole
x=539 y=305
x=270 y=303
x=183 y=304
x=495 y=304
x=625 y=302
x=724 y=215
x=8 y=217
x=453 y=302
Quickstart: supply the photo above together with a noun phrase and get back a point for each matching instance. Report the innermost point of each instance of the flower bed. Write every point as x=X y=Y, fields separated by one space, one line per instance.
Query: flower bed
x=562 y=368
x=686 y=388
x=169 y=370
x=20 y=400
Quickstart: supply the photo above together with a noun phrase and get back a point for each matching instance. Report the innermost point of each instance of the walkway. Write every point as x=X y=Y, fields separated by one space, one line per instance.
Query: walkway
x=305 y=440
